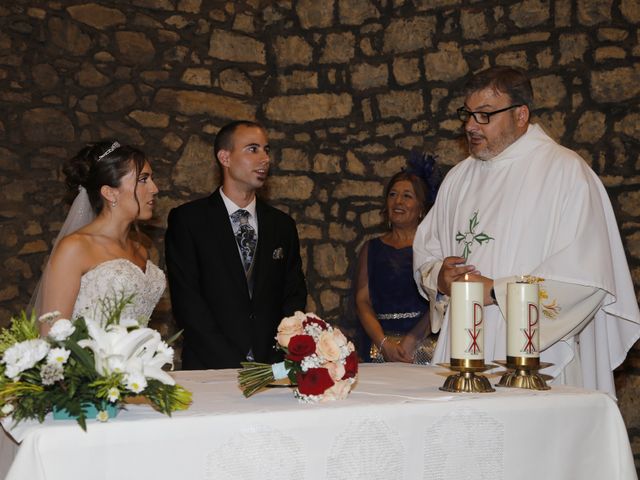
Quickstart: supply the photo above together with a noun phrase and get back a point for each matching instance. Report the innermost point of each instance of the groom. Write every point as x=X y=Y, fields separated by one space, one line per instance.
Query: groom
x=233 y=261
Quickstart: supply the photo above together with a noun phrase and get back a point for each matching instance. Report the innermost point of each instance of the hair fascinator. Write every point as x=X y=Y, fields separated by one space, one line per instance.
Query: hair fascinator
x=424 y=166
x=113 y=146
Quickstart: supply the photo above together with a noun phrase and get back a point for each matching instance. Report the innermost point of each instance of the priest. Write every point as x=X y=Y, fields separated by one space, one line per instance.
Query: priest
x=523 y=207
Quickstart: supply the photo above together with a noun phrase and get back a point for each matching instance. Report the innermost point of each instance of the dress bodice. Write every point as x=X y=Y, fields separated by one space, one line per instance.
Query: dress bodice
x=392 y=289
x=113 y=279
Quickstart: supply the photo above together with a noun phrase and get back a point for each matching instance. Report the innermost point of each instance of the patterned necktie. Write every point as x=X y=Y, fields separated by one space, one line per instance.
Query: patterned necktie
x=245 y=236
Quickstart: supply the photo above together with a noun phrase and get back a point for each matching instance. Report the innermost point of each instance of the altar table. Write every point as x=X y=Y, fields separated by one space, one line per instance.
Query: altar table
x=396 y=424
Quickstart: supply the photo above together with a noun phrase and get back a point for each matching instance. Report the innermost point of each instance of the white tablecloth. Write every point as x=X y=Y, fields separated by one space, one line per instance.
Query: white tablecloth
x=396 y=424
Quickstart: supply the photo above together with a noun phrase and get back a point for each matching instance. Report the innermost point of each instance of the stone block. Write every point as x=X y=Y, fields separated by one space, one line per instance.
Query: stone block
x=629 y=125
x=292 y=50
x=314 y=212
x=236 y=47
x=314 y=14
x=406 y=70
x=192 y=102
x=134 y=47
x=633 y=244
x=197 y=170
x=408 y=35
x=150 y=119
x=473 y=23
x=407 y=104
x=339 y=48
x=323 y=163
x=572 y=47
x=356 y=12
x=293 y=159
x=446 y=64
x=36 y=246
x=68 y=36
x=189 y=6
x=46 y=125
x=548 y=91
x=298 y=80
x=365 y=76
x=615 y=85
x=631 y=10
x=357 y=188
x=89 y=77
x=307 y=108
x=330 y=260
x=604 y=54
x=123 y=97
x=341 y=233
x=354 y=165
x=329 y=299
x=200 y=77
x=309 y=232
x=554 y=124
x=630 y=203
x=530 y=13
x=591 y=127
x=516 y=58
x=451 y=151
x=592 y=12
x=371 y=218
x=387 y=168
x=97 y=16
x=292 y=187
x=235 y=81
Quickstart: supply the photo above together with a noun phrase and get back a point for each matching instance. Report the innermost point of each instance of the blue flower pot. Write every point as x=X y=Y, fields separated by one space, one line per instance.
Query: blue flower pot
x=89 y=409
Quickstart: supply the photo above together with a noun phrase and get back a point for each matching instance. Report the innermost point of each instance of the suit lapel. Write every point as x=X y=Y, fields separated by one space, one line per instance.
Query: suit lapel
x=226 y=241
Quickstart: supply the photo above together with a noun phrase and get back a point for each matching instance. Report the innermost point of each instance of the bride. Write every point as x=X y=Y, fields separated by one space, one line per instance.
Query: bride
x=95 y=257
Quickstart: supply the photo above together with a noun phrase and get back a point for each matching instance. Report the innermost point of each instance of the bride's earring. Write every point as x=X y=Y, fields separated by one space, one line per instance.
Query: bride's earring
x=113 y=204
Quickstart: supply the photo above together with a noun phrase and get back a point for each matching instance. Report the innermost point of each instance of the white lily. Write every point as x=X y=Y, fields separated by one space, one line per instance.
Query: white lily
x=133 y=352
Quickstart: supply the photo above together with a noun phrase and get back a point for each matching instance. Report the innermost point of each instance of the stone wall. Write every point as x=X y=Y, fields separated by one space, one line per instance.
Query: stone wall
x=346 y=89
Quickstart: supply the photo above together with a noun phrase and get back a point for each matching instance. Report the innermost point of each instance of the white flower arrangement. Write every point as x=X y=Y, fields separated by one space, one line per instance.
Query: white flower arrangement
x=84 y=362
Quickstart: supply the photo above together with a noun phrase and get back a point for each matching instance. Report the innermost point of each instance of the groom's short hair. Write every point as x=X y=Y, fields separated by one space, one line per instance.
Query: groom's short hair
x=224 y=138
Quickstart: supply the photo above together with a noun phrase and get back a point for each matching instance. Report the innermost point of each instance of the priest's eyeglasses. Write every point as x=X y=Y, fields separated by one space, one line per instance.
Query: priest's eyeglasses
x=481 y=117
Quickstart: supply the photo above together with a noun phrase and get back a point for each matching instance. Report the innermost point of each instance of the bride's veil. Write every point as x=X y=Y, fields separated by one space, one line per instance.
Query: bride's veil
x=80 y=214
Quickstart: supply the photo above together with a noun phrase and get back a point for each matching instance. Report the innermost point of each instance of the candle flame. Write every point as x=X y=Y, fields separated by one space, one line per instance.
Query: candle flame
x=466 y=277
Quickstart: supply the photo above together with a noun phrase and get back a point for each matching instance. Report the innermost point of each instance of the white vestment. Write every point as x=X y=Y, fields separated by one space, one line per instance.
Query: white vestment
x=536 y=209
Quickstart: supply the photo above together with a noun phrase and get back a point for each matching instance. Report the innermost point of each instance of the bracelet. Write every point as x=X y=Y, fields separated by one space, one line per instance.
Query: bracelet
x=384 y=339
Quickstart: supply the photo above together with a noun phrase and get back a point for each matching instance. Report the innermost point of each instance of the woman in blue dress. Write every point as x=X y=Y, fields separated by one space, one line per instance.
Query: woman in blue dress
x=393 y=314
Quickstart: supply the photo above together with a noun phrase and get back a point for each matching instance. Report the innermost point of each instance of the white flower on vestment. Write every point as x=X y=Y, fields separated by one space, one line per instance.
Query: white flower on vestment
x=133 y=352
x=102 y=416
x=7 y=408
x=113 y=395
x=58 y=356
x=23 y=356
x=61 y=330
x=135 y=382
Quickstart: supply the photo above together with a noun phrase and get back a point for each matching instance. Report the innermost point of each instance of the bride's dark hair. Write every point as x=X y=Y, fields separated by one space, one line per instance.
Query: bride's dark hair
x=102 y=163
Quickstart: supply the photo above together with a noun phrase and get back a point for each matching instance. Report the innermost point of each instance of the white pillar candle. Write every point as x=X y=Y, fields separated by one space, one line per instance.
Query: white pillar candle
x=467 y=329
x=523 y=326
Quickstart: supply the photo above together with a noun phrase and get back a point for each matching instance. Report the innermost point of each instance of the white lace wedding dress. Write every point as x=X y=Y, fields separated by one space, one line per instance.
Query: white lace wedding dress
x=113 y=279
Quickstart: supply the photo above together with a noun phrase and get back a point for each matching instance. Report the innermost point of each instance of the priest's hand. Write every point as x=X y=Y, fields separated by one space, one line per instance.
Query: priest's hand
x=453 y=270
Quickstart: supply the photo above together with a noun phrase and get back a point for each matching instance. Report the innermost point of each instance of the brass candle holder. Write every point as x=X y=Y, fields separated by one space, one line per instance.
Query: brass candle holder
x=522 y=372
x=468 y=378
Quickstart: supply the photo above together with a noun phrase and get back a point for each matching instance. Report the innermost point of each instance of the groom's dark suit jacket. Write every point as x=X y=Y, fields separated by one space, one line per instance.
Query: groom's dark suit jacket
x=209 y=294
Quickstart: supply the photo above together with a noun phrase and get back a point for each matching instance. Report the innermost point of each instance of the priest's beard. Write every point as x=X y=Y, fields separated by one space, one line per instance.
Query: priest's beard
x=491 y=147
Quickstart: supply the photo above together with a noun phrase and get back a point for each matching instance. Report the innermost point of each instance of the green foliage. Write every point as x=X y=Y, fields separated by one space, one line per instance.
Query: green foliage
x=23 y=327
x=75 y=383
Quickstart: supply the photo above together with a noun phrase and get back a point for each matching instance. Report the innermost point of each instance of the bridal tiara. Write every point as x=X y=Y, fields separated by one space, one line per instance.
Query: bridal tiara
x=113 y=146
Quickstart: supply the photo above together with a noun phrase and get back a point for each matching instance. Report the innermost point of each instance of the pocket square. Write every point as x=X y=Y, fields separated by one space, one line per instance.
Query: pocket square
x=278 y=253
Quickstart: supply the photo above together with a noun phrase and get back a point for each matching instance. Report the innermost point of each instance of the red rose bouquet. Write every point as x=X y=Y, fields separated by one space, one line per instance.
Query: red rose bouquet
x=319 y=361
